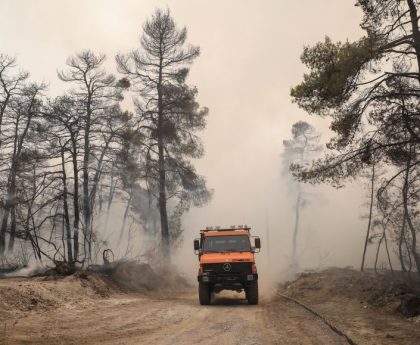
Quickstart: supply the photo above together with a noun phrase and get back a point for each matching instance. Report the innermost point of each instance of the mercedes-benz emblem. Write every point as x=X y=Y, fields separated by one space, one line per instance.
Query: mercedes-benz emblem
x=227 y=266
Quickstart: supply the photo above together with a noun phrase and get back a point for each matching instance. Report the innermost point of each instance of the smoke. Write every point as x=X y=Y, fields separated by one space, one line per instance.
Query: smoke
x=331 y=231
x=244 y=78
x=33 y=268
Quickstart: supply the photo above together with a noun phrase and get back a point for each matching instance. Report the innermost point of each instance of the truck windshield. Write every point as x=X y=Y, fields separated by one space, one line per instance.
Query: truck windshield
x=235 y=243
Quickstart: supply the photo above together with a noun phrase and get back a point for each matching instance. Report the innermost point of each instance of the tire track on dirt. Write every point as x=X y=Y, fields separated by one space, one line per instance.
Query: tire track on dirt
x=157 y=319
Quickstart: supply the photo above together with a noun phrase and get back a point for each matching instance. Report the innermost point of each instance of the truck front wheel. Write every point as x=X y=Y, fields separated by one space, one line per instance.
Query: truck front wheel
x=204 y=293
x=251 y=292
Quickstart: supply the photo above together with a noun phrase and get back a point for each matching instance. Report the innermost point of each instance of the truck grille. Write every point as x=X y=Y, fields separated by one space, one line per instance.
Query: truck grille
x=236 y=267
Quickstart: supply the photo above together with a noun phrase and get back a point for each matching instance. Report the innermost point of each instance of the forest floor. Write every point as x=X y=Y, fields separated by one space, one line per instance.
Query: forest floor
x=91 y=308
x=369 y=308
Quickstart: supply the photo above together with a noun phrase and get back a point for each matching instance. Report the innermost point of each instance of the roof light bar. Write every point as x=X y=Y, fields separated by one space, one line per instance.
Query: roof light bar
x=231 y=228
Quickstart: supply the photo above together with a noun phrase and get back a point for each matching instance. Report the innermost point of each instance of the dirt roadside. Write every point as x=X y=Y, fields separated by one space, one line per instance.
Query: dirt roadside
x=88 y=309
x=56 y=316
x=364 y=305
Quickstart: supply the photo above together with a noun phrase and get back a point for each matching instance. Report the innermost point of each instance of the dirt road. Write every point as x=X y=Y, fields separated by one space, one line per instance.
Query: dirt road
x=153 y=319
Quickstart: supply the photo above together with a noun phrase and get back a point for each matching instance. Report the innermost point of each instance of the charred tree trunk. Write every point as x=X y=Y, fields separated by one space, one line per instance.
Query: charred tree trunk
x=18 y=141
x=416 y=33
x=3 y=229
x=3 y=107
x=162 y=208
x=100 y=198
x=12 y=208
x=377 y=253
x=76 y=207
x=372 y=191
x=166 y=255
x=29 y=217
x=387 y=252
x=12 y=228
x=98 y=173
x=10 y=196
x=66 y=209
x=401 y=241
x=85 y=168
x=413 y=249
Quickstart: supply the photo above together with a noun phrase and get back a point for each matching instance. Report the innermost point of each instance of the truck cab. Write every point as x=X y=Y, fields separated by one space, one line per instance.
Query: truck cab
x=227 y=262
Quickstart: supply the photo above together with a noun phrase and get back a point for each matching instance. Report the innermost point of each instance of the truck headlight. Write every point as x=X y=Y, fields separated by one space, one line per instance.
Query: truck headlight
x=205 y=279
x=249 y=277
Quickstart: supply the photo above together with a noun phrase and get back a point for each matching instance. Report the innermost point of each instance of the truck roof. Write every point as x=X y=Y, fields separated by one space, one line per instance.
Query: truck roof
x=226 y=232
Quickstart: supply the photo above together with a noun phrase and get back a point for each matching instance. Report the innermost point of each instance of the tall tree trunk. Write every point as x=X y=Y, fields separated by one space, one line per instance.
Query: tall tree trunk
x=98 y=173
x=401 y=241
x=15 y=156
x=410 y=263
x=85 y=168
x=31 y=218
x=413 y=231
x=10 y=196
x=66 y=209
x=12 y=228
x=17 y=149
x=3 y=229
x=162 y=208
x=416 y=33
x=100 y=197
x=162 y=173
x=413 y=247
x=38 y=248
x=387 y=252
x=372 y=192
x=2 y=112
x=377 y=254
x=86 y=213
x=76 y=208
x=13 y=209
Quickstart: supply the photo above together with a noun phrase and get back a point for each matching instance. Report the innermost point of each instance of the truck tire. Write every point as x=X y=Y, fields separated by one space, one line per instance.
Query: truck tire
x=204 y=293
x=251 y=292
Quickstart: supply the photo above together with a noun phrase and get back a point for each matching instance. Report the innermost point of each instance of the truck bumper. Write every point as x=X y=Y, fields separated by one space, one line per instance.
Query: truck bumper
x=227 y=279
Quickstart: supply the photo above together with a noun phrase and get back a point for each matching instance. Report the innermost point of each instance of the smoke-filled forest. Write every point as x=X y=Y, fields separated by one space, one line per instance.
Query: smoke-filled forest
x=66 y=159
x=215 y=173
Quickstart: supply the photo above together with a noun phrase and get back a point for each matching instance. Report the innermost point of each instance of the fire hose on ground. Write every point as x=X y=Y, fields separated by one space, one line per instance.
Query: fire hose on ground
x=321 y=317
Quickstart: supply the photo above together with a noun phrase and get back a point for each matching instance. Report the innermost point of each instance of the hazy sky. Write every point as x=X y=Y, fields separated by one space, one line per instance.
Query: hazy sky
x=249 y=61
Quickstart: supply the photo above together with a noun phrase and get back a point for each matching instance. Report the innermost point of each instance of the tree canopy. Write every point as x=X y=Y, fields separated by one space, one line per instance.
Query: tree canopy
x=370 y=89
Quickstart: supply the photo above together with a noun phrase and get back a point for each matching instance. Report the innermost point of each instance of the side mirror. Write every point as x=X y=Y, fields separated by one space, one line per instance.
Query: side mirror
x=196 y=245
x=257 y=243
